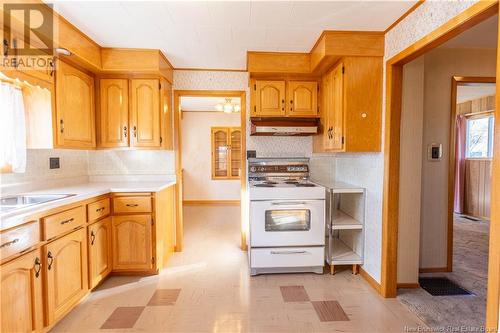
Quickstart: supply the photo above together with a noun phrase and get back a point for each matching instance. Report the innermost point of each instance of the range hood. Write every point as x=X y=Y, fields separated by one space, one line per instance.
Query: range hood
x=283 y=126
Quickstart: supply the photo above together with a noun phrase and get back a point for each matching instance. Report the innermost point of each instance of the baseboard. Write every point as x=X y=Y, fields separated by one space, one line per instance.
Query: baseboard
x=433 y=270
x=408 y=285
x=368 y=278
x=211 y=202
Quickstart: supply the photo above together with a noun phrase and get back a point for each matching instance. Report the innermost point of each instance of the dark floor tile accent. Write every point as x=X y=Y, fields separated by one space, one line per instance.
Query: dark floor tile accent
x=164 y=297
x=329 y=311
x=123 y=317
x=294 y=294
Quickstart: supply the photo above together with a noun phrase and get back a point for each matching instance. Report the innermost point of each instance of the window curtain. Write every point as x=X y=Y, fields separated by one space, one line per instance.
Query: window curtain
x=460 y=137
x=12 y=129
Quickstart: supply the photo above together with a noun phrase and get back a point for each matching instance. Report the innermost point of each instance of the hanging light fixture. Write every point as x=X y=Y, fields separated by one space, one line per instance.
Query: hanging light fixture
x=228 y=107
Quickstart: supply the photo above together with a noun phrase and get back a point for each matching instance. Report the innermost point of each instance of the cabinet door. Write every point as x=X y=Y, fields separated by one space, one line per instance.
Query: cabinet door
x=145 y=113
x=302 y=99
x=220 y=153
x=113 y=113
x=235 y=152
x=99 y=244
x=269 y=98
x=166 y=115
x=21 y=285
x=75 y=127
x=132 y=243
x=337 y=120
x=65 y=266
x=334 y=110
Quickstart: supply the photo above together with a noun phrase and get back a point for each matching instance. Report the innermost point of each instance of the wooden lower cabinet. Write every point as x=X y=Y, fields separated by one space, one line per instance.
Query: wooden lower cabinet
x=21 y=290
x=132 y=243
x=65 y=266
x=100 y=258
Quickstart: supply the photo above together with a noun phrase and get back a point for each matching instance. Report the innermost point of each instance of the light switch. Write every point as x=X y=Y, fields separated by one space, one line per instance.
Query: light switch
x=434 y=152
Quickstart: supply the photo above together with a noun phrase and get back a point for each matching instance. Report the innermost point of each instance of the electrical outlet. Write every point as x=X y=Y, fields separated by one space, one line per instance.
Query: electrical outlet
x=54 y=163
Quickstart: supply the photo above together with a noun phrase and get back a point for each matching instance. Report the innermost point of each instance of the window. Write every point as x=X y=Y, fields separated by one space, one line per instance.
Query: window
x=479 y=142
x=12 y=129
x=226 y=152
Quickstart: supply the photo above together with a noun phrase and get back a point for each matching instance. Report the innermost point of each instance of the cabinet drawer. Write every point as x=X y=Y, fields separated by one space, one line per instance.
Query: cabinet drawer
x=19 y=239
x=138 y=204
x=60 y=223
x=98 y=209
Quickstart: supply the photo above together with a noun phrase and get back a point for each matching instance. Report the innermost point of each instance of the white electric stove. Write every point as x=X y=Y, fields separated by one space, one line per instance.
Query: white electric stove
x=287 y=217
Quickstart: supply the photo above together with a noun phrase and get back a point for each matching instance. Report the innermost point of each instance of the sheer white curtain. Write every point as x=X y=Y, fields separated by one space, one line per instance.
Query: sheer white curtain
x=12 y=129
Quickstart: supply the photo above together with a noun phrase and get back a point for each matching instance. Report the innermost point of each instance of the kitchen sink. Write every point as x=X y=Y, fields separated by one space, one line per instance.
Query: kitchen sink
x=23 y=200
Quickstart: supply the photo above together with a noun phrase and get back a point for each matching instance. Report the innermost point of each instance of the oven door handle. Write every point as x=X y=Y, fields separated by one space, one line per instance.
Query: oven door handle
x=289 y=203
x=290 y=252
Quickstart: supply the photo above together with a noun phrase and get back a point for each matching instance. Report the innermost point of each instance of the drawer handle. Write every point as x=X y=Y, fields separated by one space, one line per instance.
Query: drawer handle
x=38 y=267
x=50 y=260
x=131 y=205
x=100 y=209
x=67 y=221
x=12 y=242
x=289 y=252
x=92 y=237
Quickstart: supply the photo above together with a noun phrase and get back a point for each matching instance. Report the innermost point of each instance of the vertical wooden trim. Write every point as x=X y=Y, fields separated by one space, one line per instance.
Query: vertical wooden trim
x=390 y=209
x=178 y=157
x=465 y=20
x=492 y=300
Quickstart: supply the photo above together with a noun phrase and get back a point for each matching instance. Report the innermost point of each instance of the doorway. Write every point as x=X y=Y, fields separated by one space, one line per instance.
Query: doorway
x=391 y=216
x=210 y=146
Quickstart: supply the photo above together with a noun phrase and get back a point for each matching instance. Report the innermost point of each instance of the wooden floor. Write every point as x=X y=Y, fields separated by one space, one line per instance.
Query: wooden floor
x=470 y=271
x=207 y=288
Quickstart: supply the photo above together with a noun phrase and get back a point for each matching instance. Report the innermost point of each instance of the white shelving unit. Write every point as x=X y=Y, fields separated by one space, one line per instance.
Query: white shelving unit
x=345 y=234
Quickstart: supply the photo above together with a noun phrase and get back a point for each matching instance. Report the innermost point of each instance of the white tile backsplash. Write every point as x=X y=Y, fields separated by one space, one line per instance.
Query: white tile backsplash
x=131 y=162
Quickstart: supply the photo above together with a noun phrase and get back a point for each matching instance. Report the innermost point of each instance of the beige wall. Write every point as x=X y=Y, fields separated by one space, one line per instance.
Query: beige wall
x=440 y=66
x=197 y=159
x=410 y=171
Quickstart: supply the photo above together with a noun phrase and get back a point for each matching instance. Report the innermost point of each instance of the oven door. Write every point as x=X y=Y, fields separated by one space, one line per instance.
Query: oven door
x=287 y=223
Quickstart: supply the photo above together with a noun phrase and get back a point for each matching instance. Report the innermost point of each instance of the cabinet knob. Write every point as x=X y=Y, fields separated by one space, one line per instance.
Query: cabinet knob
x=92 y=237
x=125 y=131
x=135 y=131
x=363 y=115
x=61 y=122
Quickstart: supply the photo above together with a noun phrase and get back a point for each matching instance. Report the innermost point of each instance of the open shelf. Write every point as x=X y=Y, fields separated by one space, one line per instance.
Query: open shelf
x=342 y=221
x=343 y=254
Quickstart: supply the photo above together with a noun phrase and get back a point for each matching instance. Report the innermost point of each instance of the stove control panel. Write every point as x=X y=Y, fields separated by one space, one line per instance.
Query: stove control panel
x=279 y=168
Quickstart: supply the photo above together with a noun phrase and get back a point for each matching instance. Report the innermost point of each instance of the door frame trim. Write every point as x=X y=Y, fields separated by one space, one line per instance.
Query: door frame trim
x=394 y=75
x=179 y=226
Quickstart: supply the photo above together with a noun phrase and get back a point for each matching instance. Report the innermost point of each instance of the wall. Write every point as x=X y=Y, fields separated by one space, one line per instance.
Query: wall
x=197 y=157
x=218 y=80
x=410 y=172
x=440 y=66
x=73 y=169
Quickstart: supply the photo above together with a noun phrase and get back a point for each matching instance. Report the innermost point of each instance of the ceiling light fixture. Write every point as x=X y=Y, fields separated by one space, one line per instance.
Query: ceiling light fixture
x=228 y=107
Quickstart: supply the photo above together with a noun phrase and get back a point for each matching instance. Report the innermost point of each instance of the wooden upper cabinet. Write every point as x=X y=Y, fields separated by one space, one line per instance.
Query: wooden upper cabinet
x=65 y=266
x=166 y=115
x=132 y=243
x=75 y=120
x=302 y=99
x=145 y=113
x=112 y=126
x=100 y=258
x=269 y=99
x=351 y=107
x=21 y=286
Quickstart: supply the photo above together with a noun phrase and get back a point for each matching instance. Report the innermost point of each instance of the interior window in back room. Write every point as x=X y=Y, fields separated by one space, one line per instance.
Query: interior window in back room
x=479 y=143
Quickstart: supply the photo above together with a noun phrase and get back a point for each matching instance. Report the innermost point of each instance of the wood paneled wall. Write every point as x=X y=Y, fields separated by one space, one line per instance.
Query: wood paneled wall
x=482 y=104
x=477 y=187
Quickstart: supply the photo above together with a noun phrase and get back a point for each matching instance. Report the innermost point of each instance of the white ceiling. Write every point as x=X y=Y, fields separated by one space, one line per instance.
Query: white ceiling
x=217 y=34
x=204 y=103
x=482 y=36
x=473 y=91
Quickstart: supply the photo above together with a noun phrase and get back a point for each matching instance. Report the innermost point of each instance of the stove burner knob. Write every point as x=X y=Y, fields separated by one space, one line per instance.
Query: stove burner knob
x=253 y=169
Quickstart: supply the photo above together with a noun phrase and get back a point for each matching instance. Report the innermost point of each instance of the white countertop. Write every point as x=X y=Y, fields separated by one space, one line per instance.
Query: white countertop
x=81 y=192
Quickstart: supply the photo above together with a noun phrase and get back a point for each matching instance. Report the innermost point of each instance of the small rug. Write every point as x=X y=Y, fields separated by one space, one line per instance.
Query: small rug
x=441 y=286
